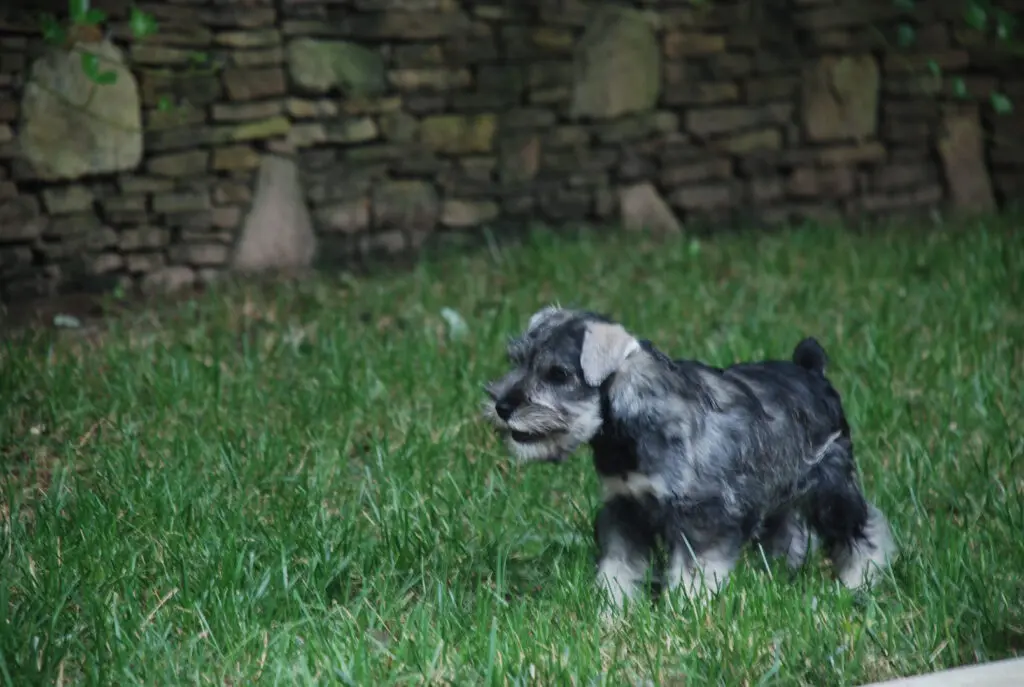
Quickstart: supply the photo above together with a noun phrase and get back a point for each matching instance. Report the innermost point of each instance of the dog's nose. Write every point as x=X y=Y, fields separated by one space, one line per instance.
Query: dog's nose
x=505 y=407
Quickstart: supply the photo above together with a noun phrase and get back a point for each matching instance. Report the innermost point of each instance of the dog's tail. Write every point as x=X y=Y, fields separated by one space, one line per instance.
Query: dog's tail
x=809 y=355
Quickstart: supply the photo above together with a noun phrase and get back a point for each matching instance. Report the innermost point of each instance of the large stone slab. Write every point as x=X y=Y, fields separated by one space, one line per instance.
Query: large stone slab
x=962 y=149
x=278 y=231
x=73 y=127
x=642 y=208
x=840 y=98
x=325 y=65
x=617 y=65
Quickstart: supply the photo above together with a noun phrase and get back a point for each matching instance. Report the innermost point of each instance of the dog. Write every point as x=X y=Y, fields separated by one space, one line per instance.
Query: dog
x=696 y=461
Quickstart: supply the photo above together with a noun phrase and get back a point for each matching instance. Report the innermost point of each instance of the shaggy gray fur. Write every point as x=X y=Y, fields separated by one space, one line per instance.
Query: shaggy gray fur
x=697 y=459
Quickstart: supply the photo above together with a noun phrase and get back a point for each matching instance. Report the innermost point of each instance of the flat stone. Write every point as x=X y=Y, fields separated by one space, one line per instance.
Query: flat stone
x=346 y=217
x=461 y=214
x=68 y=199
x=235 y=158
x=179 y=164
x=407 y=205
x=321 y=66
x=168 y=280
x=199 y=254
x=267 y=128
x=457 y=134
x=21 y=219
x=243 y=112
x=164 y=203
x=260 y=38
x=254 y=83
x=278 y=231
x=143 y=238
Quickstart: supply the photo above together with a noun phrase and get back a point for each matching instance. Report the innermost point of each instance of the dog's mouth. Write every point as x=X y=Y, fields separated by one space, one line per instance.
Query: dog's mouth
x=527 y=437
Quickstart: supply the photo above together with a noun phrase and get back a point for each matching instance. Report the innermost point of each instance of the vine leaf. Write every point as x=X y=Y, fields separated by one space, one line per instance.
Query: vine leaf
x=905 y=35
x=91 y=67
x=976 y=16
x=959 y=88
x=142 y=23
x=1001 y=104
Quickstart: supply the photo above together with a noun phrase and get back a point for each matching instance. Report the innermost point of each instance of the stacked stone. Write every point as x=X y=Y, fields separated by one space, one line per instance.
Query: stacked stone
x=413 y=118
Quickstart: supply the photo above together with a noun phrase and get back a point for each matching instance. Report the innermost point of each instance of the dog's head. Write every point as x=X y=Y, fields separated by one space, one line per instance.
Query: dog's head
x=550 y=402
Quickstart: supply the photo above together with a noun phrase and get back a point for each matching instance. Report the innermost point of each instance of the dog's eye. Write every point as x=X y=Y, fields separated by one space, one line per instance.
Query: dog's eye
x=557 y=375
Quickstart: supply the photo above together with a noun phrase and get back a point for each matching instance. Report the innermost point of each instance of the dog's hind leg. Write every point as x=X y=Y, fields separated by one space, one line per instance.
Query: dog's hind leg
x=625 y=543
x=855 y=533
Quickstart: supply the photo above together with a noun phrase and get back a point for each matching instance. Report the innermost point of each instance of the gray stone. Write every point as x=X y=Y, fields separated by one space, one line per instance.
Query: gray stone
x=322 y=65
x=68 y=130
x=21 y=220
x=278 y=231
x=168 y=280
x=617 y=65
x=68 y=199
x=643 y=209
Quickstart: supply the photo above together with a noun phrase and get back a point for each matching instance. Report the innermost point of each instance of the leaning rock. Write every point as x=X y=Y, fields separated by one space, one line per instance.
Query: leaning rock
x=72 y=127
x=321 y=66
x=643 y=209
x=617 y=66
x=962 y=149
x=840 y=98
x=278 y=232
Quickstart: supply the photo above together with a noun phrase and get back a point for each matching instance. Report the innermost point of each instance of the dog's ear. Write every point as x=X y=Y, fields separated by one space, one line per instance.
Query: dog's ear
x=605 y=347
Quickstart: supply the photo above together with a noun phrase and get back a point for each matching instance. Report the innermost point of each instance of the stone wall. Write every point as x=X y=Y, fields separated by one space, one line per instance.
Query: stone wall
x=335 y=128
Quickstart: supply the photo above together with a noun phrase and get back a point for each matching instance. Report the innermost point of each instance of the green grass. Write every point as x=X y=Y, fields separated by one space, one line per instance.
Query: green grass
x=291 y=484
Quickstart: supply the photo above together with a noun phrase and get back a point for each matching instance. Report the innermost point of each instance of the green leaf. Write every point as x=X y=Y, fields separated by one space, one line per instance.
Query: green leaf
x=197 y=57
x=90 y=65
x=142 y=23
x=53 y=32
x=905 y=36
x=976 y=16
x=1001 y=104
x=904 y=5
x=94 y=17
x=959 y=88
x=934 y=69
x=164 y=104
x=77 y=10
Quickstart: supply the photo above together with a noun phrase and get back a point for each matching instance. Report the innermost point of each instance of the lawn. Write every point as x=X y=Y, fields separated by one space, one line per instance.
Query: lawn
x=291 y=484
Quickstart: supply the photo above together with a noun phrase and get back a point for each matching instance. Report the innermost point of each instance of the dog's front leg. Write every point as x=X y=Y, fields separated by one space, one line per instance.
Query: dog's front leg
x=625 y=544
x=703 y=547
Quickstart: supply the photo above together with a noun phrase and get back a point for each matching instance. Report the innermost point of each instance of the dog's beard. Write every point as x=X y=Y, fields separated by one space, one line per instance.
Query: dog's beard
x=537 y=432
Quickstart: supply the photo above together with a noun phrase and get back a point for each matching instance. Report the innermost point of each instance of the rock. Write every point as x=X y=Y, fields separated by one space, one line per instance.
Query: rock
x=260 y=38
x=351 y=130
x=168 y=280
x=641 y=208
x=468 y=213
x=703 y=197
x=21 y=220
x=407 y=205
x=65 y=131
x=399 y=127
x=238 y=157
x=439 y=79
x=68 y=200
x=750 y=141
x=243 y=112
x=268 y=128
x=455 y=134
x=172 y=203
x=840 y=98
x=179 y=164
x=617 y=66
x=200 y=254
x=321 y=66
x=962 y=149
x=143 y=238
x=683 y=44
x=519 y=159
x=105 y=263
x=347 y=217
x=253 y=84
x=310 y=109
x=278 y=231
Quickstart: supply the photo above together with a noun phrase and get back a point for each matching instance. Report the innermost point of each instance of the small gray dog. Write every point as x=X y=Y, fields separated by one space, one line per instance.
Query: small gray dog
x=696 y=458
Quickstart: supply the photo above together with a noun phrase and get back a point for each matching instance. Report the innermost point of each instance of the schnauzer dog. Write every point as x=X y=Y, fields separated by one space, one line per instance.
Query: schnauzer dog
x=695 y=460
